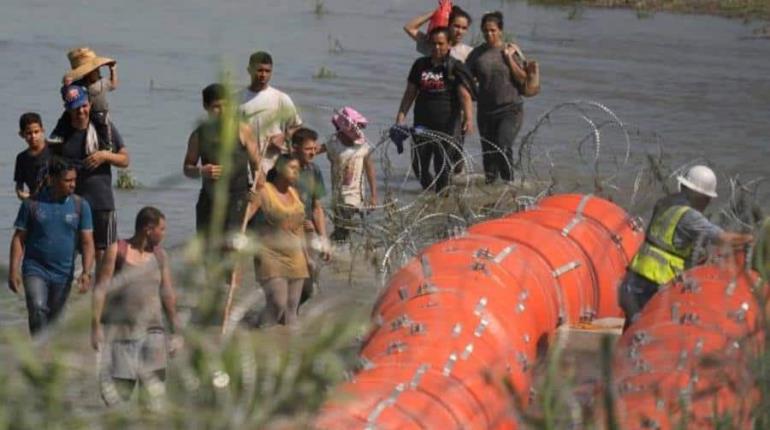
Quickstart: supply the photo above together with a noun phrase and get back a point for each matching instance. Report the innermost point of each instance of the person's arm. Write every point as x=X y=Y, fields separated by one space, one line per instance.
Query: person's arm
x=510 y=52
x=371 y=179
x=113 y=76
x=88 y=252
x=532 y=86
x=103 y=278
x=14 y=261
x=255 y=201
x=118 y=157
x=168 y=300
x=191 y=157
x=412 y=28
x=319 y=218
x=410 y=93
x=20 y=192
x=249 y=141
x=467 y=106
x=734 y=239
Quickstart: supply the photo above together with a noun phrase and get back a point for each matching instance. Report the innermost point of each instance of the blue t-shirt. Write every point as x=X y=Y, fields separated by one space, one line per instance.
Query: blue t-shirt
x=53 y=229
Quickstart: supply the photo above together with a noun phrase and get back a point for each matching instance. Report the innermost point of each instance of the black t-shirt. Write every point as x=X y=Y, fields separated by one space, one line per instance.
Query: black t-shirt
x=437 y=106
x=93 y=185
x=30 y=170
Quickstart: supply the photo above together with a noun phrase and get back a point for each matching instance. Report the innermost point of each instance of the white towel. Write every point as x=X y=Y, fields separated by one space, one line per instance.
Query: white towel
x=92 y=140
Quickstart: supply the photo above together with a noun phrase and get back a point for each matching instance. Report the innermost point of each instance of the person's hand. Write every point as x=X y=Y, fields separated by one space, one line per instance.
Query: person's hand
x=400 y=118
x=467 y=126
x=278 y=141
x=531 y=67
x=260 y=180
x=23 y=195
x=175 y=344
x=84 y=282
x=371 y=201
x=326 y=256
x=511 y=50
x=96 y=159
x=66 y=80
x=97 y=337
x=14 y=282
x=212 y=171
x=309 y=226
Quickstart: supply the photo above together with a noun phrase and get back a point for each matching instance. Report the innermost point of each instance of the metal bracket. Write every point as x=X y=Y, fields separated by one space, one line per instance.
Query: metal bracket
x=427 y=271
x=426 y=289
x=450 y=364
x=577 y=219
x=415 y=382
x=481 y=327
x=396 y=346
x=481 y=306
x=504 y=254
x=565 y=268
x=457 y=330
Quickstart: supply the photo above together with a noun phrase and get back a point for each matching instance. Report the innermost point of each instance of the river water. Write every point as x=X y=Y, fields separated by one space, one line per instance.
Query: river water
x=699 y=83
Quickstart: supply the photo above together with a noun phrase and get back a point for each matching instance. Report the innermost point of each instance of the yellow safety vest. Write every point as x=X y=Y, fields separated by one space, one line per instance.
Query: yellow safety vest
x=658 y=259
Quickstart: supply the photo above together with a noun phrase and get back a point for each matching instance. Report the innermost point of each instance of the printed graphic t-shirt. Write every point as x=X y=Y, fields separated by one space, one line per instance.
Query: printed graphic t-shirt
x=437 y=105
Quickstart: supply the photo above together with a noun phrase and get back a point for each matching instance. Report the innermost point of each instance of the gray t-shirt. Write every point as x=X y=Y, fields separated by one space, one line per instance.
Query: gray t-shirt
x=97 y=95
x=459 y=51
x=498 y=90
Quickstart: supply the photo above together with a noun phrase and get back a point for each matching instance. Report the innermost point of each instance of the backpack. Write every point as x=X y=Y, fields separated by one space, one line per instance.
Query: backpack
x=120 y=258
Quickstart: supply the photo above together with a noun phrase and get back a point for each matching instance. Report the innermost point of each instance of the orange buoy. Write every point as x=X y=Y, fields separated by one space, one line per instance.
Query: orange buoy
x=461 y=323
x=685 y=360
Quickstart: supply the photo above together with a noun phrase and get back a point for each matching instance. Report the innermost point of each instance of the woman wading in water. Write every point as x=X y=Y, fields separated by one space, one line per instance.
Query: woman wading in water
x=503 y=76
x=281 y=263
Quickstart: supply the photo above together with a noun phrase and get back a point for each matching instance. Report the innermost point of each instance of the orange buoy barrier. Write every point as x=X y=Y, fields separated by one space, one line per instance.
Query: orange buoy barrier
x=684 y=362
x=471 y=312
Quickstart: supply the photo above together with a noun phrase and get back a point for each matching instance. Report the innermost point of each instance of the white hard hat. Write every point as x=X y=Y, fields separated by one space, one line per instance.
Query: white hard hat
x=700 y=179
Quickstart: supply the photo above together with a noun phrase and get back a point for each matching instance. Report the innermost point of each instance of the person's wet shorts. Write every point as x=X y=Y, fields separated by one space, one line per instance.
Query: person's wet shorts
x=105 y=228
x=136 y=358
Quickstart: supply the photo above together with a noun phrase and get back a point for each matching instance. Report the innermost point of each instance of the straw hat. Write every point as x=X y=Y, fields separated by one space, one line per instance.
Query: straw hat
x=83 y=61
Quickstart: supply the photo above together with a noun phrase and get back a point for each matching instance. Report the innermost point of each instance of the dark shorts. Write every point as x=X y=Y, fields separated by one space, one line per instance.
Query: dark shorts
x=105 y=228
x=236 y=208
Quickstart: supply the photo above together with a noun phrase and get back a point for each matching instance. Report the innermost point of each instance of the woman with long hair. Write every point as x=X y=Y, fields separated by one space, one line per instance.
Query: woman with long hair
x=281 y=263
x=459 y=22
x=440 y=87
x=504 y=76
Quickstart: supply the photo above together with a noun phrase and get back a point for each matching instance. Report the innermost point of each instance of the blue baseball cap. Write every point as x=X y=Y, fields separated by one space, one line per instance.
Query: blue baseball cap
x=74 y=96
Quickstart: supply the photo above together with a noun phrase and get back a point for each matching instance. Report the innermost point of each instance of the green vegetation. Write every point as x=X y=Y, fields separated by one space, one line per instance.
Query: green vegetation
x=319 y=8
x=126 y=181
x=324 y=72
x=744 y=9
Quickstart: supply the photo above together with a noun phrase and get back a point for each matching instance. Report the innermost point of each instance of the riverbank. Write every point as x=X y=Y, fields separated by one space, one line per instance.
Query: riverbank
x=741 y=9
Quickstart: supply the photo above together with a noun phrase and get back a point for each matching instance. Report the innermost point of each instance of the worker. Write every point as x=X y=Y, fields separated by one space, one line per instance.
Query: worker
x=675 y=240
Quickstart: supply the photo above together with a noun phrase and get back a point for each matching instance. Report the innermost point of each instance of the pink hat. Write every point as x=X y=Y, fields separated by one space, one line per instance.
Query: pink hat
x=350 y=122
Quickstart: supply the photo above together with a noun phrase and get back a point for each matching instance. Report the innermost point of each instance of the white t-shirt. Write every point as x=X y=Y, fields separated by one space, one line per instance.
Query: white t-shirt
x=347 y=171
x=269 y=112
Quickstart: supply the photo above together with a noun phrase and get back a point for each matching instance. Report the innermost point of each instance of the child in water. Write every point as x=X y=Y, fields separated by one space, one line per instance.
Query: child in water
x=349 y=153
x=31 y=163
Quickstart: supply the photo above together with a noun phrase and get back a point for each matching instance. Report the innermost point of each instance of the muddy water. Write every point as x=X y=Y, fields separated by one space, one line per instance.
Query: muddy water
x=698 y=83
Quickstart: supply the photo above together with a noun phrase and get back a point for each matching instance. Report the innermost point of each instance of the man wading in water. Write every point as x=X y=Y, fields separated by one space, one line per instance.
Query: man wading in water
x=47 y=231
x=202 y=160
x=131 y=310
x=95 y=146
